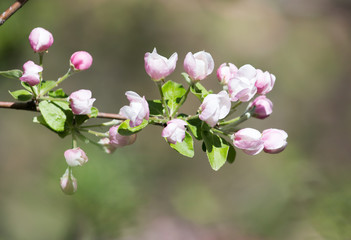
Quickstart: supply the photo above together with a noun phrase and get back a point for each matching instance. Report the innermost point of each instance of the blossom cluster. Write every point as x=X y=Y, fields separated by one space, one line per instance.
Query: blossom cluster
x=211 y=124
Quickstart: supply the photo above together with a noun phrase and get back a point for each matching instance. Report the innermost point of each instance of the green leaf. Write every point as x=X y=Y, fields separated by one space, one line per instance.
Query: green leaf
x=199 y=91
x=47 y=85
x=26 y=86
x=173 y=92
x=21 y=95
x=94 y=112
x=125 y=130
x=54 y=115
x=40 y=119
x=59 y=93
x=186 y=147
x=194 y=125
x=15 y=73
x=155 y=107
x=217 y=150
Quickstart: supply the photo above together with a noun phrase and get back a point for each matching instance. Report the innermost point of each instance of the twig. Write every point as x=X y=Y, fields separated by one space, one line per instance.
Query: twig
x=30 y=106
x=11 y=10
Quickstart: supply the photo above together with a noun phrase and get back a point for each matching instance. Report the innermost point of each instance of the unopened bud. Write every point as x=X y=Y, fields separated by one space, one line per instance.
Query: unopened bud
x=68 y=183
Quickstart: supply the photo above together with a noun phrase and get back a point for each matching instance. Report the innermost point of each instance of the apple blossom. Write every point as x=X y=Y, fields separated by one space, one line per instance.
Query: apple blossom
x=265 y=82
x=81 y=102
x=263 y=107
x=138 y=109
x=198 y=65
x=274 y=140
x=158 y=67
x=75 y=157
x=174 y=131
x=242 y=86
x=249 y=140
x=40 y=39
x=226 y=72
x=215 y=107
x=31 y=73
x=81 y=60
x=68 y=183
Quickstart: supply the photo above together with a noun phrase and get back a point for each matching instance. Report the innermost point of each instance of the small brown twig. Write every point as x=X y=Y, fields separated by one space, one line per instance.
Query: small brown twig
x=30 y=106
x=11 y=10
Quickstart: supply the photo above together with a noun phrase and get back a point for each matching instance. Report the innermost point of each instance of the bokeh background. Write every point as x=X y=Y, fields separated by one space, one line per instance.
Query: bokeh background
x=148 y=191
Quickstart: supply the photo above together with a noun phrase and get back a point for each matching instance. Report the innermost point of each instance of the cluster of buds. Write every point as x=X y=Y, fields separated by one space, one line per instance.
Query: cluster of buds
x=211 y=124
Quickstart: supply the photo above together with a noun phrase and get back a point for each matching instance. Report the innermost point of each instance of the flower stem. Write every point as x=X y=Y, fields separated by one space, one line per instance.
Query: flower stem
x=110 y=123
x=98 y=134
x=236 y=121
x=54 y=99
x=181 y=101
x=159 y=85
x=60 y=80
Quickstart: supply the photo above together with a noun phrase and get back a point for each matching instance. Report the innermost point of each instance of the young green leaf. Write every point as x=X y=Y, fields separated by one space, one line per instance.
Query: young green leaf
x=53 y=115
x=199 y=91
x=194 y=125
x=217 y=150
x=59 y=93
x=173 y=92
x=46 y=86
x=125 y=130
x=40 y=119
x=21 y=95
x=187 y=78
x=155 y=107
x=15 y=73
x=26 y=86
x=94 y=112
x=186 y=147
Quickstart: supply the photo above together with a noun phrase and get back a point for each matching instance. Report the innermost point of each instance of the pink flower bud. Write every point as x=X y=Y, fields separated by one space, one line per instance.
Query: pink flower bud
x=40 y=39
x=242 y=86
x=265 y=82
x=118 y=140
x=198 y=65
x=31 y=73
x=225 y=73
x=215 y=107
x=263 y=107
x=175 y=131
x=81 y=60
x=75 y=157
x=68 y=183
x=274 y=140
x=137 y=111
x=158 y=67
x=81 y=102
x=249 y=140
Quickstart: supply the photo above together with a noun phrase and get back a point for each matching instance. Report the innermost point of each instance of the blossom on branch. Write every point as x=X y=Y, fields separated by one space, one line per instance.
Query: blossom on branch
x=40 y=39
x=81 y=60
x=263 y=107
x=242 y=86
x=174 y=131
x=249 y=140
x=81 y=102
x=75 y=157
x=198 y=65
x=215 y=107
x=274 y=140
x=265 y=82
x=158 y=67
x=31 y=73
x=226 y=72
x=138 y=109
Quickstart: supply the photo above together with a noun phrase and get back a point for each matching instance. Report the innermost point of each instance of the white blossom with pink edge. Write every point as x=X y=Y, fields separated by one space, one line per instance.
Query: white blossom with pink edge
x=249 y=140
x=81 y=102
x=158 y=67
x=81 y=60
x=40 y=39
x=274 y=140
x=198 y=65
x=174 y=131
x=265 y=82
x=68 y=183
x=138 y=109
x=75 y=157
x=215 y=107
x=263 y=107
x=226 y=72
x=31 y=73
x=242 y=86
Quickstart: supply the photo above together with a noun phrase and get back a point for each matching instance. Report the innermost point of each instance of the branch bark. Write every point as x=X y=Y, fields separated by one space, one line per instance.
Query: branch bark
x=30 y=106
x=11 y=10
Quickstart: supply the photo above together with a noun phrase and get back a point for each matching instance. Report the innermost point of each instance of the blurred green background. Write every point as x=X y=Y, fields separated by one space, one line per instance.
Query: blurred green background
x=148 y=191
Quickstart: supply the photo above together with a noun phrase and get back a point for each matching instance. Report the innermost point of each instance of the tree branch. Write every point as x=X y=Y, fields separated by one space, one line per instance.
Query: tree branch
x=30 y=106
x=11 y=10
